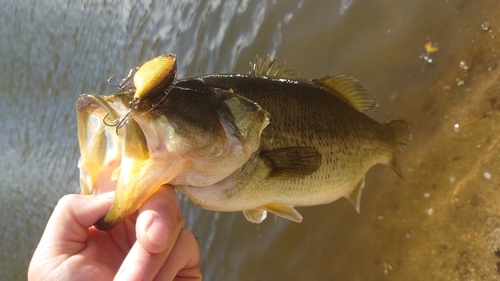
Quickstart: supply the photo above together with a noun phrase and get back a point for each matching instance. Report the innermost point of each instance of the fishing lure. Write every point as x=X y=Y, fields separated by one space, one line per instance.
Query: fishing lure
x=153 y=81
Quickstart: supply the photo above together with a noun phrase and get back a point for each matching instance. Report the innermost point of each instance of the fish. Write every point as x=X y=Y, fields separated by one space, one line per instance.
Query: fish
x=263 y=142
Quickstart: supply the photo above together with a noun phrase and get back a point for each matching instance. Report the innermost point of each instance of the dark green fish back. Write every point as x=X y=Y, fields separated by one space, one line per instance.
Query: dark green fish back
x=303 y=114
x=318 y=120
x=300 y=111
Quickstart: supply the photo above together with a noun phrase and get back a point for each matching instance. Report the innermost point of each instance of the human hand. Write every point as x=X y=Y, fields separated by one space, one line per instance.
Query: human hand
x=149 y=245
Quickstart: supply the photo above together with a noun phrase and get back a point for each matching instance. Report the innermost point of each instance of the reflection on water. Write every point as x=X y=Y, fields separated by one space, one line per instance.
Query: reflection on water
x=442 y=217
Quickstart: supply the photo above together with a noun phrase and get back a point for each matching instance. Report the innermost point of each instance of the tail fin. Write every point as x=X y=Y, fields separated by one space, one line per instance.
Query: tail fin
x=402 y=137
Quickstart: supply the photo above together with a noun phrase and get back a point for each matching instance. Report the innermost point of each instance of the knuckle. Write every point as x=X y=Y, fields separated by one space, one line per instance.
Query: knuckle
x=66 y=200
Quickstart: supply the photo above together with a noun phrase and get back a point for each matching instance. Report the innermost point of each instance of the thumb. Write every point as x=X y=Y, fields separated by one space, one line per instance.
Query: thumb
x=67 y=229
x=159 y=221
x=74 y=214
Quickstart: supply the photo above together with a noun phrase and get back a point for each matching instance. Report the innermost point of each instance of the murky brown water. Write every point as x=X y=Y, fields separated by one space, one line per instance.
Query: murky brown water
x=442 y=222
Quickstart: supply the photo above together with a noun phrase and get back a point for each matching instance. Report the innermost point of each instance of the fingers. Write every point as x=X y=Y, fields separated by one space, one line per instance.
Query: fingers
x=179 y=263
x=157 y=228
x=66 y=232
x=159 y=221
x=182 y=263
x=74 y=214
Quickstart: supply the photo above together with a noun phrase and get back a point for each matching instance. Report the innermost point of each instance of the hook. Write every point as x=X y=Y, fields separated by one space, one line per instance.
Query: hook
x=120 y=122
x=125 y=81
x=109 y=124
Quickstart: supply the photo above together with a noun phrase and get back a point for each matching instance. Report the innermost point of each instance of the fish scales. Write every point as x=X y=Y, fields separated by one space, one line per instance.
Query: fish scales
x=303 y=114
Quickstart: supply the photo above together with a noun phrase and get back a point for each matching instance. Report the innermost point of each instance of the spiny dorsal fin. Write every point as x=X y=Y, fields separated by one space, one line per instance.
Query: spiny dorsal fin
x=348 y=89
x=272 y=69
x=292 y=162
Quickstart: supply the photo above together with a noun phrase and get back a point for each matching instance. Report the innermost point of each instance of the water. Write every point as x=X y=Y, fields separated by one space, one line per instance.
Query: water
x=52 y=52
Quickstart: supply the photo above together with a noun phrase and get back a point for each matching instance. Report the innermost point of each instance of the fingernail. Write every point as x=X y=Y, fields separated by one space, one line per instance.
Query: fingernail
x=158 y=232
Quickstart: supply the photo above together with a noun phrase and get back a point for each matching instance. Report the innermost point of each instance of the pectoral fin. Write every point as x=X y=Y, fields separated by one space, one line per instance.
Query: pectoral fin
x=255 y=215
x=355 y=195
x=284 y=211
x=292 y=162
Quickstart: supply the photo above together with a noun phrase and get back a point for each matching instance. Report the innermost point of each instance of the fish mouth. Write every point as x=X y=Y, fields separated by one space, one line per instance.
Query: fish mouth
x=99 y=144
x=118 y=159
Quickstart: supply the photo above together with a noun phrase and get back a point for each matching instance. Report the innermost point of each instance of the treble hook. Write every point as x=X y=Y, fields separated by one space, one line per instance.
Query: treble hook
x=125 y=81
x=120 y=122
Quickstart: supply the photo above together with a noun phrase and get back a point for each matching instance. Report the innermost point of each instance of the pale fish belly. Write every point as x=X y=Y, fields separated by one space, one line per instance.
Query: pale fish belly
x=236 y=194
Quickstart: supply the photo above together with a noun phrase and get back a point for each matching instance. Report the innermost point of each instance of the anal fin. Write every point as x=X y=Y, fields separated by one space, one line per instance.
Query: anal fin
x=355 y=195
x=284 y=211
x=255 y=215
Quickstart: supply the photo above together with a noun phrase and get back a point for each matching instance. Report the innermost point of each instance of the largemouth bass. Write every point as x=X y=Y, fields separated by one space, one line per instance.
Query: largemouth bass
x=260 y=142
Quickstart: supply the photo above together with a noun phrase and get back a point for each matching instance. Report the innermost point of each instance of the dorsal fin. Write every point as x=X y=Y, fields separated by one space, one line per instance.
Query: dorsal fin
x=348 y=89
x=272 y=69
